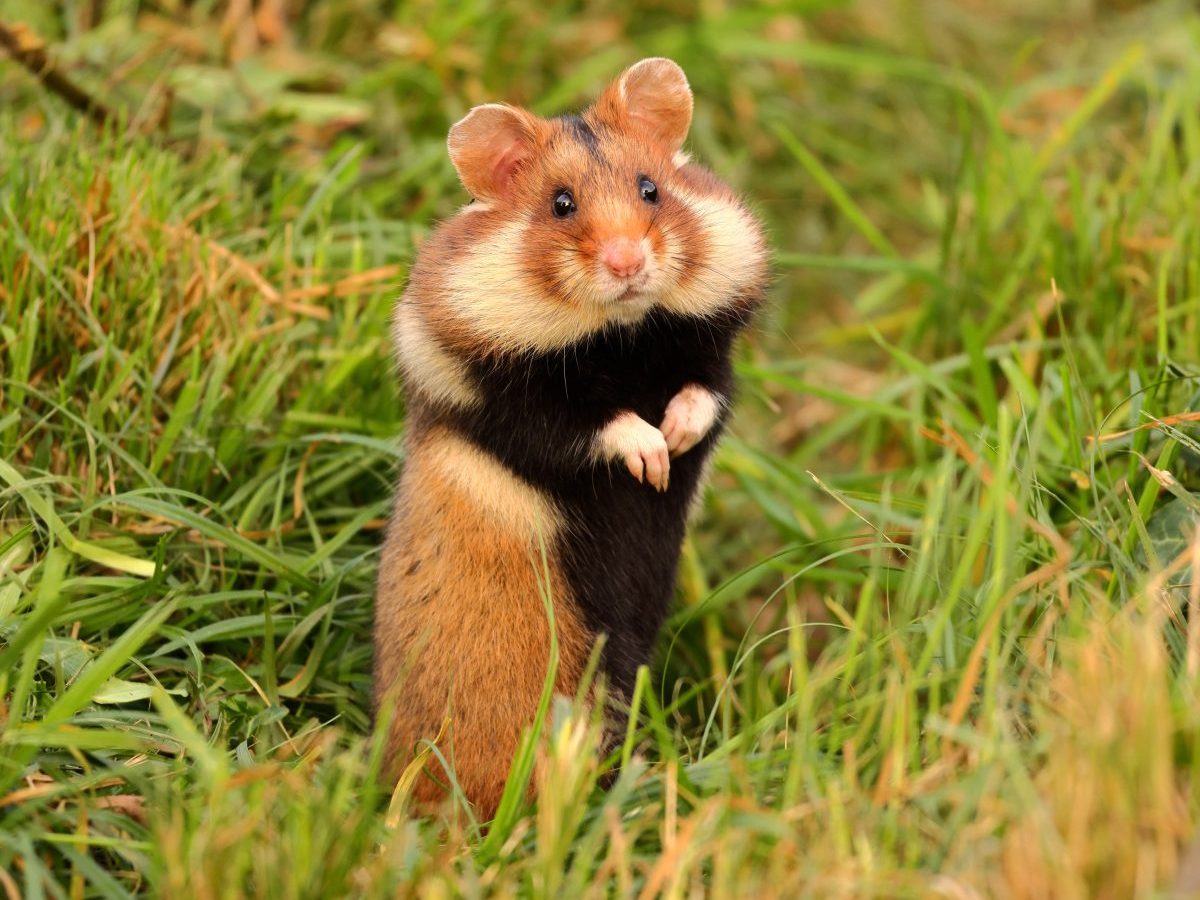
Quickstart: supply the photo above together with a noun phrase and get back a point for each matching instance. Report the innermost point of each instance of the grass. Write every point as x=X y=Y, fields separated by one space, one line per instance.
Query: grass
x=938 y=629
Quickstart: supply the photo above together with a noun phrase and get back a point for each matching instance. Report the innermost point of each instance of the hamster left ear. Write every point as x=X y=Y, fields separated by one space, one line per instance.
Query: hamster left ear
x=651 y=97
x=490 y=145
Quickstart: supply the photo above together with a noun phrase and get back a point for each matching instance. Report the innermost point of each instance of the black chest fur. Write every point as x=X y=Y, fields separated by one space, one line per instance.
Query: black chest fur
x=620 y=549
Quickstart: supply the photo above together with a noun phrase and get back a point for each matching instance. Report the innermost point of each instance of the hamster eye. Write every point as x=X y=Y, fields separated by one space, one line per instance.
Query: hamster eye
x=647 y=189
x=564 y=204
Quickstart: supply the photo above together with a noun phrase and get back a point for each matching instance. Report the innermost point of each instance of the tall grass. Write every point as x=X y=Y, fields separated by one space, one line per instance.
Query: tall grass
x=938 y=625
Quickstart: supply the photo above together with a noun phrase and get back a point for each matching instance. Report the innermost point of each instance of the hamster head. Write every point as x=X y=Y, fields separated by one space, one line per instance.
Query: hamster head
x=584 y=222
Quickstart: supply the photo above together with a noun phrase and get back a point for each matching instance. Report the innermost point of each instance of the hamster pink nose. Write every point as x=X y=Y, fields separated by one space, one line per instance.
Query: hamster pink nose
x=623 y=257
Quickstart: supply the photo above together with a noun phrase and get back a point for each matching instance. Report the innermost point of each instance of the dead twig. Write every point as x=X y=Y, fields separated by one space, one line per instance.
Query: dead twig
x=29 y=51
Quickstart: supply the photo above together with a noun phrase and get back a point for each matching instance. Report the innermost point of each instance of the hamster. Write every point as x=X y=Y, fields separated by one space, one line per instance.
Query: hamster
x=565 y=343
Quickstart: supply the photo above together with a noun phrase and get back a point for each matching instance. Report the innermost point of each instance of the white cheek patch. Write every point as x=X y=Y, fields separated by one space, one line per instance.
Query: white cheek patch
x=735 y=257
x=488 y=291
x=426 y=365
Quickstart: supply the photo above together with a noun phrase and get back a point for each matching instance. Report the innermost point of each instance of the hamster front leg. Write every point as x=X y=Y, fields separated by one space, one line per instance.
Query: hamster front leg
x=642 y=447
x=690 y=415
x=546 y=433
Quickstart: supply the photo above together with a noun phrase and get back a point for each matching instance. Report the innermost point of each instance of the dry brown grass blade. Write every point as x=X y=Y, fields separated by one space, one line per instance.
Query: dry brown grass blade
x=670 y=859
x=271 y=19
x=1053 y=571
x=1187 y=879
x=351 y=284
x=1161 y=422
x=10 y=886
x=974 y=667
x=132 y=805
x=952 y=439
x=245 y=268
x=1193 y=624
x=1111 y=816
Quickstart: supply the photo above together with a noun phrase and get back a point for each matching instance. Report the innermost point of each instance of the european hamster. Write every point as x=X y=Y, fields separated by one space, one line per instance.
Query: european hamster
x=565 y=343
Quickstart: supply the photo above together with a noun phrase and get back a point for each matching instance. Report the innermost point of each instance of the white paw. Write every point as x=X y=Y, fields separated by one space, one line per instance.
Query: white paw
x=640 y=446
x=690 y=415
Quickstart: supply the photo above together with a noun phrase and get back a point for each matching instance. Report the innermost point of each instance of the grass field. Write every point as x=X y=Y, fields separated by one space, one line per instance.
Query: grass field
x=938 y=624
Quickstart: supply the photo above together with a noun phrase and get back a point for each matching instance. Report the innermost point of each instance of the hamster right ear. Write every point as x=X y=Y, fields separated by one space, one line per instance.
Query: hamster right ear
x=653 y=98
x=489 y=145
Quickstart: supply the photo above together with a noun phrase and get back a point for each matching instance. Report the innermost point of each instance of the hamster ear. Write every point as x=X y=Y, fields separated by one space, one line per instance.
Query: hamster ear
x=489 y=145
x=651 y=97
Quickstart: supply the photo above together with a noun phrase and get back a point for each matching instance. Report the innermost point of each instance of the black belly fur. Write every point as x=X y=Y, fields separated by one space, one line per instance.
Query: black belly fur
x=620 y=547
x=620 y=554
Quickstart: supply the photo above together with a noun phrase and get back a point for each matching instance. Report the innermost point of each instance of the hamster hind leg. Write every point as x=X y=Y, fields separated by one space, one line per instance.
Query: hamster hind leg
x=461 y=630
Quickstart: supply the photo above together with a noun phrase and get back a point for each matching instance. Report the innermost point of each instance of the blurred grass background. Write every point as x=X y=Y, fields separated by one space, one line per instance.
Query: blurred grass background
x=933 y=633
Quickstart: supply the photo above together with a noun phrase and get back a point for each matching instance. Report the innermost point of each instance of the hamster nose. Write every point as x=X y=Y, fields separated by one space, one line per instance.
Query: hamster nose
x=623 y=257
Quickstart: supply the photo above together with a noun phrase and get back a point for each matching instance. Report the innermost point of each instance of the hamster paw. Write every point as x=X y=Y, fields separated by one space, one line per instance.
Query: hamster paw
x=690 y=415
x=640 y=446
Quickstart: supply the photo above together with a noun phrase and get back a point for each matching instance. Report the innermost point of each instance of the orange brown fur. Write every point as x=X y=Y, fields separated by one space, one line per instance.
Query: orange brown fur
x=460 y=600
